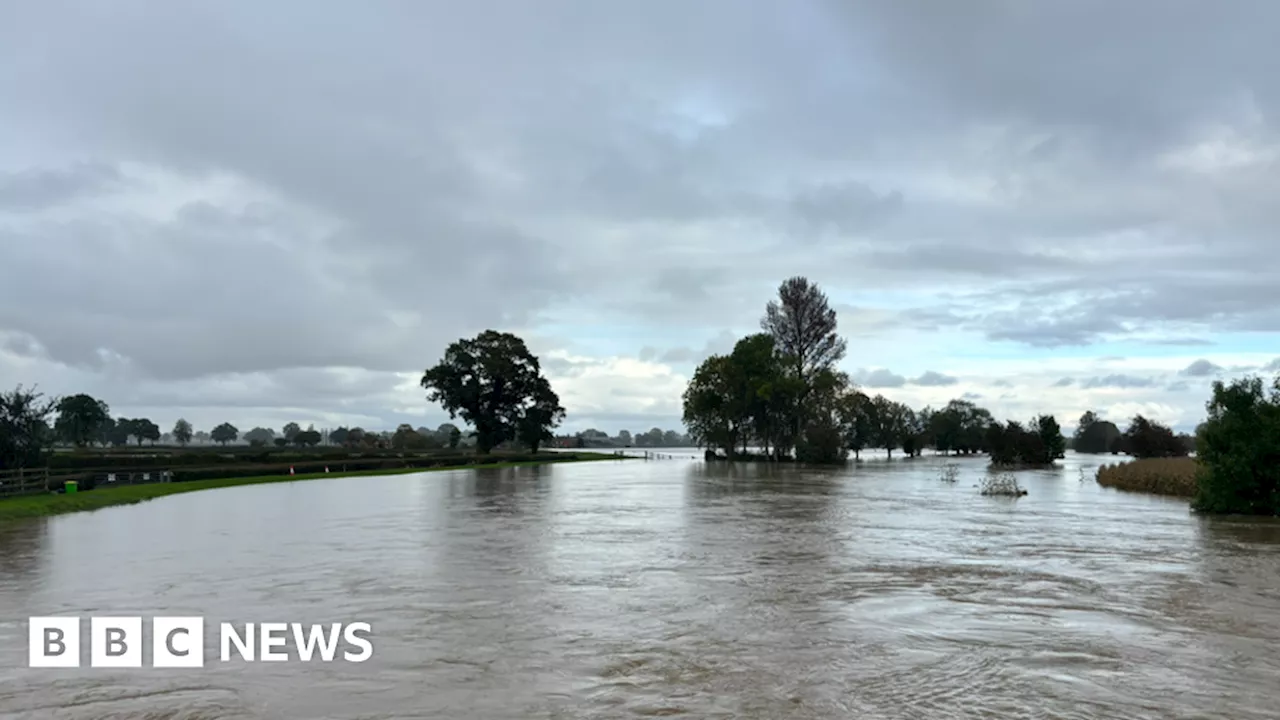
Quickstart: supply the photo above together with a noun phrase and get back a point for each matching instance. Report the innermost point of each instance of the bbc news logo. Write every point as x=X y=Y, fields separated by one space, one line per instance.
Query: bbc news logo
x=178 y=642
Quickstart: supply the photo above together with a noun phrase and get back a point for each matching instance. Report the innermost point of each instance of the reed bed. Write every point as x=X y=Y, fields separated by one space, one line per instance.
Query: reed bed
x=1160 y=476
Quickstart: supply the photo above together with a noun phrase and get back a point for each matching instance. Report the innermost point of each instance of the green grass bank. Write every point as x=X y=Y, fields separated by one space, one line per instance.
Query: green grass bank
x=60 y=504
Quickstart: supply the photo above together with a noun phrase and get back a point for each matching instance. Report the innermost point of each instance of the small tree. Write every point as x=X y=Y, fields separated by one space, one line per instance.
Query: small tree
x=224 y=433
x=182 y=432
x=144 y=429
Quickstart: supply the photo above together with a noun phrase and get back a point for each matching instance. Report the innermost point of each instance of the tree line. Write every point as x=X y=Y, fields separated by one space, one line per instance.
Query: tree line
x=778 y=396
x=492 y=381
x=654 y=437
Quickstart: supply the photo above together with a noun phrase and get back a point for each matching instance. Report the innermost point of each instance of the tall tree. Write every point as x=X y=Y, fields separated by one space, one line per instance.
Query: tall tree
x=489 y=380
x=81 y=419
x=182 y=432
x=290 y=431
x=803 y=326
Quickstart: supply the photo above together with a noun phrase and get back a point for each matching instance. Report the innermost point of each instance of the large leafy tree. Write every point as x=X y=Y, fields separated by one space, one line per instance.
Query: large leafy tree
x=712 y=411
x=81 y=419
x=25 y=434
x=492 y=381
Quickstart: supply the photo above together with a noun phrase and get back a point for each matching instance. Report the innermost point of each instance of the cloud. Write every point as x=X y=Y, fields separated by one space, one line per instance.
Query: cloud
x=1180 y=386
x=1201 y=368
x=1117 y=381
x=1273 y=366
x=934 y=379
x=1064 y=382
x=348 y=195
x=39 y=188
x=879 y=378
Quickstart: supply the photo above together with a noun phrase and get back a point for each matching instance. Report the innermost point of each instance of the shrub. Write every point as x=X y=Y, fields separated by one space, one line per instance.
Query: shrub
x=1239 y=450
x=950 y=473
x=1003 y=483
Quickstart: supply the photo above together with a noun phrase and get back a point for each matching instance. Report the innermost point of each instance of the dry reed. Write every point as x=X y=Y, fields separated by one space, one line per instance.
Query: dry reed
x=1161 y=476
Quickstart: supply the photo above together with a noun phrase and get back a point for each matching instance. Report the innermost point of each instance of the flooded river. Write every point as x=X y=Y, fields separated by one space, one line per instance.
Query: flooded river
x=669 y=588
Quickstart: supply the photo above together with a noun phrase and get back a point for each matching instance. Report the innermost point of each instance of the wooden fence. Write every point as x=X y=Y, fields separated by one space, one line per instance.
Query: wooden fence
x=39 y=481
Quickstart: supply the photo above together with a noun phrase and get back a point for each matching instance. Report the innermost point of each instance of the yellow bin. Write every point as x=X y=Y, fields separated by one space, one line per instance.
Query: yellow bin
x=72 y=486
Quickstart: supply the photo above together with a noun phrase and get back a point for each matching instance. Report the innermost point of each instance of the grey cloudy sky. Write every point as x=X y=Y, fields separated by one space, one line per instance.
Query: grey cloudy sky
x=262 y=212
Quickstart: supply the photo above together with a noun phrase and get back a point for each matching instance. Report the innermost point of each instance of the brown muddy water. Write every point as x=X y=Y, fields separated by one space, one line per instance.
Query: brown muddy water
x=669 y=588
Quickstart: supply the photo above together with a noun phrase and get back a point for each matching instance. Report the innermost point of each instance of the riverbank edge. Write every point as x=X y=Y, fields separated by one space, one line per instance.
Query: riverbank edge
x=61 y=504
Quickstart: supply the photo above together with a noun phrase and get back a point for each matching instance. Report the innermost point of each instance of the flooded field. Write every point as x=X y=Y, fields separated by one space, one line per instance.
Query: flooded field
x=670 y=588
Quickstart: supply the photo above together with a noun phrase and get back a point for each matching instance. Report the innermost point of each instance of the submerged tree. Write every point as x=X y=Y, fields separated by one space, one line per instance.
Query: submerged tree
x=1238 y=449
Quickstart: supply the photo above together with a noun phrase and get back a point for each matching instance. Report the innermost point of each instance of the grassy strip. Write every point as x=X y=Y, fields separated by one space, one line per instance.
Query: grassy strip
x=1161 y=476
x=59 y=504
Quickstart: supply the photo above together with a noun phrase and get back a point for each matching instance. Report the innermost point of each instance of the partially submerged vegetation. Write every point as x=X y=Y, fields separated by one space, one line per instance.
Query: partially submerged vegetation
x=1161 y=476
x=1002 y=483
x=1237 y=465
x=779 y=391
x=1238 y=448
x=950 y=473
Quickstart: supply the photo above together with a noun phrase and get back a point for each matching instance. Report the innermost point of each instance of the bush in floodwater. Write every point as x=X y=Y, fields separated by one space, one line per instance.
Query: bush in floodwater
x=950 y=473
x=1002 y=483
x=1238 y=448
x=1160 y=476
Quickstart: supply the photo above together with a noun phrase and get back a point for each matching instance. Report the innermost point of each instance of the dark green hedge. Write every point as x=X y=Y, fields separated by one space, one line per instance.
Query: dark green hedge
x=205 y=458
x=90 y=478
